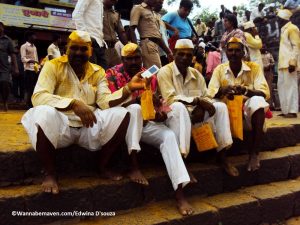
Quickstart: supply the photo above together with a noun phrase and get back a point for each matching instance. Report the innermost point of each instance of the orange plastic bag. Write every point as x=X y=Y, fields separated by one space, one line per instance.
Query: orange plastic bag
x=235 y=110
x=148 y=111
x=204 y=137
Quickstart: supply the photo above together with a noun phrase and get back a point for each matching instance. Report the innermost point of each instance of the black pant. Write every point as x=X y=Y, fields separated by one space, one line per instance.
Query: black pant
x=30 y=82
x=98 y=56
x=18 y=87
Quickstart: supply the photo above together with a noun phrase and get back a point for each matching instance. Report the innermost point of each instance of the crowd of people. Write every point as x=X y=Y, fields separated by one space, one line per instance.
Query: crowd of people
x=96 y=97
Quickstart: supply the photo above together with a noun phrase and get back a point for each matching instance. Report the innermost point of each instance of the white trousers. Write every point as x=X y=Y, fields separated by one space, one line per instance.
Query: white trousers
x=180 y=123
x=161 y=137
x=221 y=125
x=288 y=91
x=55 y=126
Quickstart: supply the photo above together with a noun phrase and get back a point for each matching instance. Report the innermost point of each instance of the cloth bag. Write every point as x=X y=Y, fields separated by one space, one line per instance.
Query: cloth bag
x=204 y=137
x=148 y=111
x=235 y=110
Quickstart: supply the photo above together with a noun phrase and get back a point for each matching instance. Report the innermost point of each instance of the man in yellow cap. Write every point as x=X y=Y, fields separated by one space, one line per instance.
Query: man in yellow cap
x=288 y=65
x=254 y=43
x=71 y=101
x=182 y=85
x=154 y=132
x=247 y=79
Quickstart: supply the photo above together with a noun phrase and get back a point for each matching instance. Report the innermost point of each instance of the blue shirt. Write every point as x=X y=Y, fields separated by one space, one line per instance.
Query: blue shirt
x=185 y=30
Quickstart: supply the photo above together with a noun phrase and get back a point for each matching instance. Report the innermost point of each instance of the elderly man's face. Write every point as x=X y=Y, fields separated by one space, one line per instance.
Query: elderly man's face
x=132 y=64
x=183 y=57
x=78 y=54
x=235 y=52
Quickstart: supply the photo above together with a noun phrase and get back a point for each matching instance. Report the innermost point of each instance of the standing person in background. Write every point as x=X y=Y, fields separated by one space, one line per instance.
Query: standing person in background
x=231 y=27
x=254 y=43
x=18 y=87
x=88 y=16
x=212 y=61
x=258 y=14
x=268 y=62
x=30 y=60
x=200 y=27
x=219 y=28
x=180 y=20
x=145 y=20
x=111 y=26
x=6 y=51
x=287 y=65
x=53 y=50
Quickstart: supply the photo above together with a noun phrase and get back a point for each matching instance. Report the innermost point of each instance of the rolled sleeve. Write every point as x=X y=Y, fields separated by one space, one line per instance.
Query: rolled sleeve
x=135 y=16
x=166 y=85
x=260 y=83
x=215 y=83
x=78 y=14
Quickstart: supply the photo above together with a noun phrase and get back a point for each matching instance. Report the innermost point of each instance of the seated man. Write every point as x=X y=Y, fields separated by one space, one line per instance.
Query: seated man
x=247 y=79
x=178 y=82
x=71 y=100
x=154 y=132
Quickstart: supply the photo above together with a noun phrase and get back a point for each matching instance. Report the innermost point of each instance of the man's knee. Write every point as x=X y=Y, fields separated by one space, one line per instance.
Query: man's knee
x=134 y=108
x=220 y=107
x=48 y=112
x=178 y=107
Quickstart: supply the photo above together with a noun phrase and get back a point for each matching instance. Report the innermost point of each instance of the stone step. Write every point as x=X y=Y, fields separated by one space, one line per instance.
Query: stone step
x=19 y=162
x=260 y=204
x=95 y=194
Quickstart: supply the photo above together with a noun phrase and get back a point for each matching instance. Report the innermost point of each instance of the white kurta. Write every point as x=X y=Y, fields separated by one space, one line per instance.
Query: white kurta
x=288 y=55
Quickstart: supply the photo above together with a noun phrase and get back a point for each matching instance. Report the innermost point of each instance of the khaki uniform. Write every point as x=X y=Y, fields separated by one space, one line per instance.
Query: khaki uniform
x=148 y=26
x=111 y=24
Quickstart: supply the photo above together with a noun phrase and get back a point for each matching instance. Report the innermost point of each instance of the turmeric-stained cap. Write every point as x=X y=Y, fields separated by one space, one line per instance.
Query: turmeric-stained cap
x=184 y=43
x=129 y=49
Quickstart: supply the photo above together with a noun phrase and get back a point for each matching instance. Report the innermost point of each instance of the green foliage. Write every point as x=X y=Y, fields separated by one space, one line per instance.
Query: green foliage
x=205 y=15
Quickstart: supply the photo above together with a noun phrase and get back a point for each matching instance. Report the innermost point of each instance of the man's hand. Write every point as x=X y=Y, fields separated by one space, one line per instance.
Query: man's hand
x=227 y=90
x=207 y=106
x=240 y=90
x=170 y=57
x=86 y=115
x=32 y=61
x=138 y=82
x=292 y=68
x=160 y=117
x=197 y=115
x=176 y=33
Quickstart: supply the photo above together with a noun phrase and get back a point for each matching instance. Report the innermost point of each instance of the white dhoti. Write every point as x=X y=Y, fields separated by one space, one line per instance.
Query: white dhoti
x=163 y=138
x=180 y=123
x=135 y=127
x=287 y=85
x=251 y=106
x=55 y=126
x=221 y=125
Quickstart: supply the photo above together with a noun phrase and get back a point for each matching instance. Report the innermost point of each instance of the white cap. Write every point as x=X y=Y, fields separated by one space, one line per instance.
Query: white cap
x=248 y=25
x=202 y=45
x=184 y=43
x=284 y=14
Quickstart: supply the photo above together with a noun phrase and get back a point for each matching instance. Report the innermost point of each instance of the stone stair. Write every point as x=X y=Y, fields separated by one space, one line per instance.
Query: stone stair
x=268 y=195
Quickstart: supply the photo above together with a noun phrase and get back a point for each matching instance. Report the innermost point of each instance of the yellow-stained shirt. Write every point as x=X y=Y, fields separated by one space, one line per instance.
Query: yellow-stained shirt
x=58 y=85
x=289 y=46
x=250 y=76
x=173 y=87
x=254 y=45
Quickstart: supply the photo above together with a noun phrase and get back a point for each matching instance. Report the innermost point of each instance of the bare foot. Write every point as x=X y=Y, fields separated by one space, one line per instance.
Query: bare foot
x=49 y=184
x=108 y=174
x=137 y=177
x=230 y=169
x=254 y=162
x=184 y=207
x=193 y=178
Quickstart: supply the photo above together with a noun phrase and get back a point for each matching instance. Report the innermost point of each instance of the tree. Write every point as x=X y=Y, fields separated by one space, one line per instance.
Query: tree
x=254 y=3
x=205 y=15
x=195 y=2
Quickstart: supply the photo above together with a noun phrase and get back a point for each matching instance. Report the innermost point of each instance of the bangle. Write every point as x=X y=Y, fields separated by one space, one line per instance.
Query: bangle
x=127 y=89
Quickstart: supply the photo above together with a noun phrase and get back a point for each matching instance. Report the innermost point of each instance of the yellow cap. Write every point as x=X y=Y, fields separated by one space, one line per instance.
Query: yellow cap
x=235 y=42
x=129 y=49
x=80 y=36
x=284 y=14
